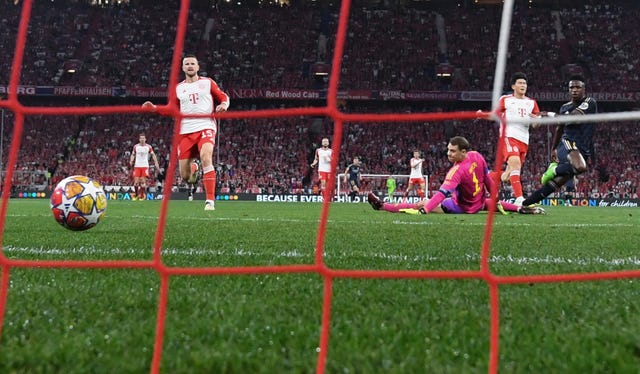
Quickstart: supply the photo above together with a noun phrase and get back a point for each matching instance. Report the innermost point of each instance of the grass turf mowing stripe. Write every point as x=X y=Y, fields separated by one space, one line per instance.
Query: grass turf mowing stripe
x=468 y=258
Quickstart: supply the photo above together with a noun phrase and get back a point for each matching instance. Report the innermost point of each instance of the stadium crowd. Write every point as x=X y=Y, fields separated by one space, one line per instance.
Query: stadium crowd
x=272 y=155
x=276 y=47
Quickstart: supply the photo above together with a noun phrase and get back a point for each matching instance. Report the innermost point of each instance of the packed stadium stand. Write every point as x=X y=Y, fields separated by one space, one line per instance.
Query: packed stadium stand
x=278 y=46
x=401 y=48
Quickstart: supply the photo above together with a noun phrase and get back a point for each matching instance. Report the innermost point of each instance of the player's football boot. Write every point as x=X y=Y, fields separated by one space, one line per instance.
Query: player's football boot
x=549 y=174
x=410 y=211
x=414 y=211
x=209 y=205
x=501 y=209
x=531 y=210
x=375 y=203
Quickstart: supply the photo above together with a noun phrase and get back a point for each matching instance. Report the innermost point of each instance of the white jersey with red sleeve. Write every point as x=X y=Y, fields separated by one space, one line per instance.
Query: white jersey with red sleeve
x=514 y=108
x=416 y=168
x=199 y=97
x=324 y=159
x=142 y=153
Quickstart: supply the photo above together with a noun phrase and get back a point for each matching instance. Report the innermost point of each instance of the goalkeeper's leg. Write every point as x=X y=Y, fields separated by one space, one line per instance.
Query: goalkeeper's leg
x=377 y=204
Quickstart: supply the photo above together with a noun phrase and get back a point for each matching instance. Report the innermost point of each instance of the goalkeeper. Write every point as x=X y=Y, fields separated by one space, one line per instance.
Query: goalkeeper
x=463 y=191
x=391 y=187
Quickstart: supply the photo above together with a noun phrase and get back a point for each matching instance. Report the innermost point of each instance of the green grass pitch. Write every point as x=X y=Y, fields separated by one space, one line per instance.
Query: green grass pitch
x=61 y=320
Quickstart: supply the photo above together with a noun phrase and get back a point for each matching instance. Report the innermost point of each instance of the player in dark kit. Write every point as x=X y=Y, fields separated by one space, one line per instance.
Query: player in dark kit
x=353 y=174
x=572 y=143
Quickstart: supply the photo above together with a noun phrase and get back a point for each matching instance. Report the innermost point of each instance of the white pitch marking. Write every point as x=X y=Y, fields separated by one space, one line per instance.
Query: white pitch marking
x=300 y=253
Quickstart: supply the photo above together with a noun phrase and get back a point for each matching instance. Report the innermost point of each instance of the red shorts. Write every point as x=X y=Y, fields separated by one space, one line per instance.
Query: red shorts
x=189 y=144
x=140 y=172
x=323 y=175
x=416 y=181
x=514 y=147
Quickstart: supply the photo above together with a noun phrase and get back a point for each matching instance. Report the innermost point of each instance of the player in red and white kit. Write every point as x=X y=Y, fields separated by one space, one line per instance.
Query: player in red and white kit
x=323 y=160
x=198 y=95
x=139 y=161
x=416 y=178
x=516 y=106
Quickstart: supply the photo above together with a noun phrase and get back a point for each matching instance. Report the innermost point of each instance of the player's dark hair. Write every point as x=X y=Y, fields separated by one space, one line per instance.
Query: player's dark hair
x=461 y=142
x=577 y=78
x=190 y=55
x=516 y=76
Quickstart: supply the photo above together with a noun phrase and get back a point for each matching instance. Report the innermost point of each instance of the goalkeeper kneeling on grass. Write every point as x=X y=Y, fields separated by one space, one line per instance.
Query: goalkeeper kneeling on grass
x=463 y=191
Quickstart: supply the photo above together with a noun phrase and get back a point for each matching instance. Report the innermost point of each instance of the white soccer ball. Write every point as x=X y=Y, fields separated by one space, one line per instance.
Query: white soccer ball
x=78 y=203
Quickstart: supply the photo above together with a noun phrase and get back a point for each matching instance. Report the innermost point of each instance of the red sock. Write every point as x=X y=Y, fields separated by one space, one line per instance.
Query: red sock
x=209 y=183
x=143 y=191
x=514 y=179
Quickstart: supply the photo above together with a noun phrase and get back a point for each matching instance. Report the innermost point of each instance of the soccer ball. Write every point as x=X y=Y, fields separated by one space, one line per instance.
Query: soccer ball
x=78 y=202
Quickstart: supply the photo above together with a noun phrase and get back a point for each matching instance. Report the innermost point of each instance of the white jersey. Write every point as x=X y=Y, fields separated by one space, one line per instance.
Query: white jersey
x=416 y=168
x=513 y=108
x=142 y=153
x=198 y=98
x=324 y=159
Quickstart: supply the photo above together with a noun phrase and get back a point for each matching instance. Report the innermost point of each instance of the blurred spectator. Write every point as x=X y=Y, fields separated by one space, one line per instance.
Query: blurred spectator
x=275 y=45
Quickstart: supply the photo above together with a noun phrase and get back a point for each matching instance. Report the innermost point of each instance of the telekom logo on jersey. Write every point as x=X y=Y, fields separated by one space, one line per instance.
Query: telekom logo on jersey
x=522 y=112
x=193 y=97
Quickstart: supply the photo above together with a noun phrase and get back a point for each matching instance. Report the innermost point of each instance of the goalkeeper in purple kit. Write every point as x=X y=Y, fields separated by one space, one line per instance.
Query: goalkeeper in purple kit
x=464 y=190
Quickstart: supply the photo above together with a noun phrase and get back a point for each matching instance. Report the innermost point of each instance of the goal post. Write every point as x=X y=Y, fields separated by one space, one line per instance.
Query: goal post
x=377 y=183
